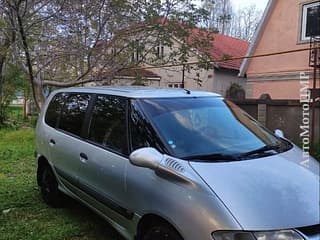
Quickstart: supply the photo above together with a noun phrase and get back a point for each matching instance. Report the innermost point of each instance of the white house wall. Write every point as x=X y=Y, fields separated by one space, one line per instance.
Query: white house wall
x=174 y=75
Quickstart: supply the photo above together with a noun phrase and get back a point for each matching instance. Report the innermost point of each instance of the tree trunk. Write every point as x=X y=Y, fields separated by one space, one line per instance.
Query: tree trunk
x=24 y=105
x=27 y=54
x=39 y=91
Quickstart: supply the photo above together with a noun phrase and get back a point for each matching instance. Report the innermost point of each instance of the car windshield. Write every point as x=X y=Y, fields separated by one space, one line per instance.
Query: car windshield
x=198 y=127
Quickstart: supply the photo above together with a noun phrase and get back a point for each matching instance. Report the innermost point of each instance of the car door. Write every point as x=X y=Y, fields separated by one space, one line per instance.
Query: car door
x=65 y=142
x=102 y=172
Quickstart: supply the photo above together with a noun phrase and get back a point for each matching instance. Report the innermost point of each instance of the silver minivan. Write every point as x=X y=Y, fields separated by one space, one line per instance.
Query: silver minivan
x=173 y=164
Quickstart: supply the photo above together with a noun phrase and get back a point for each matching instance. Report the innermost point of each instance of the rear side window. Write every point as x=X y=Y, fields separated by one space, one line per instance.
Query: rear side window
x=54 y=109
x=108 y=123
x=73 y=113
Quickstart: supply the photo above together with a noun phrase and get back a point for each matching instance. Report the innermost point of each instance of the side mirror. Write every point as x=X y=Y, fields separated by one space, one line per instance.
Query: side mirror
x=150 y=158
x=146 y=157
x=279 y=133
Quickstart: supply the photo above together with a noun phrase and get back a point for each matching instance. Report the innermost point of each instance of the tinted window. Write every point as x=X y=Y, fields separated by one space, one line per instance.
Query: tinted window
x=108 y=123
x=142 y=134
x=54 y=109
x=313 y=19
x=73 y=113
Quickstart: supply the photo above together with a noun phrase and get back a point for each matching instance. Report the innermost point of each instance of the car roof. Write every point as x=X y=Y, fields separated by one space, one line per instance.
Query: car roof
x=141 y=92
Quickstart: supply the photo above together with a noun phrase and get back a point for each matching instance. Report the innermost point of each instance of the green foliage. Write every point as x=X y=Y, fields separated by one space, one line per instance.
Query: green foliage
x=138 y=81
x=235 y=91
x=16 y=120
x=226 y=57
x=11 y=81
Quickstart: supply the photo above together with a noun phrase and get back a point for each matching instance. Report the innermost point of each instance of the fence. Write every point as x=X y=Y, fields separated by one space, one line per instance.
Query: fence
x=286 y=115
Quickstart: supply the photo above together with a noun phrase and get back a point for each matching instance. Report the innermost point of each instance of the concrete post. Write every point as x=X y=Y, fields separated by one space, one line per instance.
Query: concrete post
x=262 y=114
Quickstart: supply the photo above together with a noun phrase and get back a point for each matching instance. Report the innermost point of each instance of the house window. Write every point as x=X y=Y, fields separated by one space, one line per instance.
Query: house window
x=175 y=85
x=136 y=55
x=160 y=50
x=310 y=21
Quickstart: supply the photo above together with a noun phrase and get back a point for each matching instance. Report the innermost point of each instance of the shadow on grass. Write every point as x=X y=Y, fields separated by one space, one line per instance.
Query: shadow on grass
x=95 y=226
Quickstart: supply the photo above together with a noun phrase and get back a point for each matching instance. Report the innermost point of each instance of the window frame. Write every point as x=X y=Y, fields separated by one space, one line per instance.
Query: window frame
x=53 y=98
x=160 y=50
x=303 y=20
x=164 y=147
x=85 y=128
x=70 y=94
x=88 y=123
x=175 y=85
x=136 y=54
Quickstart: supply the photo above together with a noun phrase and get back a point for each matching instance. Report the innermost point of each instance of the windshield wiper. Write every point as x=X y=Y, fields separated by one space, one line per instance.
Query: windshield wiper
x=215 y=157
x=263 y=149
x=218 y=157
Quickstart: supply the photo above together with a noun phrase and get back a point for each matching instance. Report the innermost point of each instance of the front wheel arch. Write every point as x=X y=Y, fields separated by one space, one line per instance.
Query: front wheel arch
x=149 y=220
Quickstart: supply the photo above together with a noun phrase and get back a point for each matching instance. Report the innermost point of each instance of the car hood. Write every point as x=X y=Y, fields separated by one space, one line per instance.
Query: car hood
x=275 y=192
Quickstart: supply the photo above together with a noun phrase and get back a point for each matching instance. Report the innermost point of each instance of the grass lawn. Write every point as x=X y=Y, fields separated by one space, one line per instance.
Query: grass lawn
x=23 y=215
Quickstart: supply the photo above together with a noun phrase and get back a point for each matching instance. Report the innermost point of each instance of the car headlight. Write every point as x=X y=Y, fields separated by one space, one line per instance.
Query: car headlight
x=267 y=235
x=278 y=235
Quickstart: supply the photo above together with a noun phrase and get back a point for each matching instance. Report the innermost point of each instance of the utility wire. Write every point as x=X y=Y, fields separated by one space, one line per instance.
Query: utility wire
x=227 y=60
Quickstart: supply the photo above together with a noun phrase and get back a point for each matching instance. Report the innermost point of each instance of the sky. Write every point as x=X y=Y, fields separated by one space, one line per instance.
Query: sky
x=261 y=4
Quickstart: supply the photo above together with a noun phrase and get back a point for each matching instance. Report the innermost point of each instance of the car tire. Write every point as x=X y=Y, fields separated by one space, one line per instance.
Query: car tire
x=161 y=231
x=49 y=187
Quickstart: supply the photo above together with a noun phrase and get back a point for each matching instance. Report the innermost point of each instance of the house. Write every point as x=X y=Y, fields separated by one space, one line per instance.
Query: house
x=286 y=26
x=224 y=72
x=136 y=76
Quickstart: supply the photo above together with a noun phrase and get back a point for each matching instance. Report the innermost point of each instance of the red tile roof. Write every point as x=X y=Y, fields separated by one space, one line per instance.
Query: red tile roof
x=222 y=48
x=225 y=47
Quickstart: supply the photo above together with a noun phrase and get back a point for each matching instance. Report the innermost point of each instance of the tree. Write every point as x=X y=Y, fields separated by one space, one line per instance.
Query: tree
x=235 y=92
x=245 y=22
x=7 y=37
x=220 y=15
x=67 y=43
x=12 y=81
x=240 y=24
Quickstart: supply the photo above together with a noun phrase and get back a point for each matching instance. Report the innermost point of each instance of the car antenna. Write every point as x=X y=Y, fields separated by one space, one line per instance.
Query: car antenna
x=187 y=91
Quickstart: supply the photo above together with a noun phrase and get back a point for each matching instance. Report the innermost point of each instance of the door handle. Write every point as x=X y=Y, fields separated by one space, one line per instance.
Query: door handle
x=83 y=157
x=52 y=142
